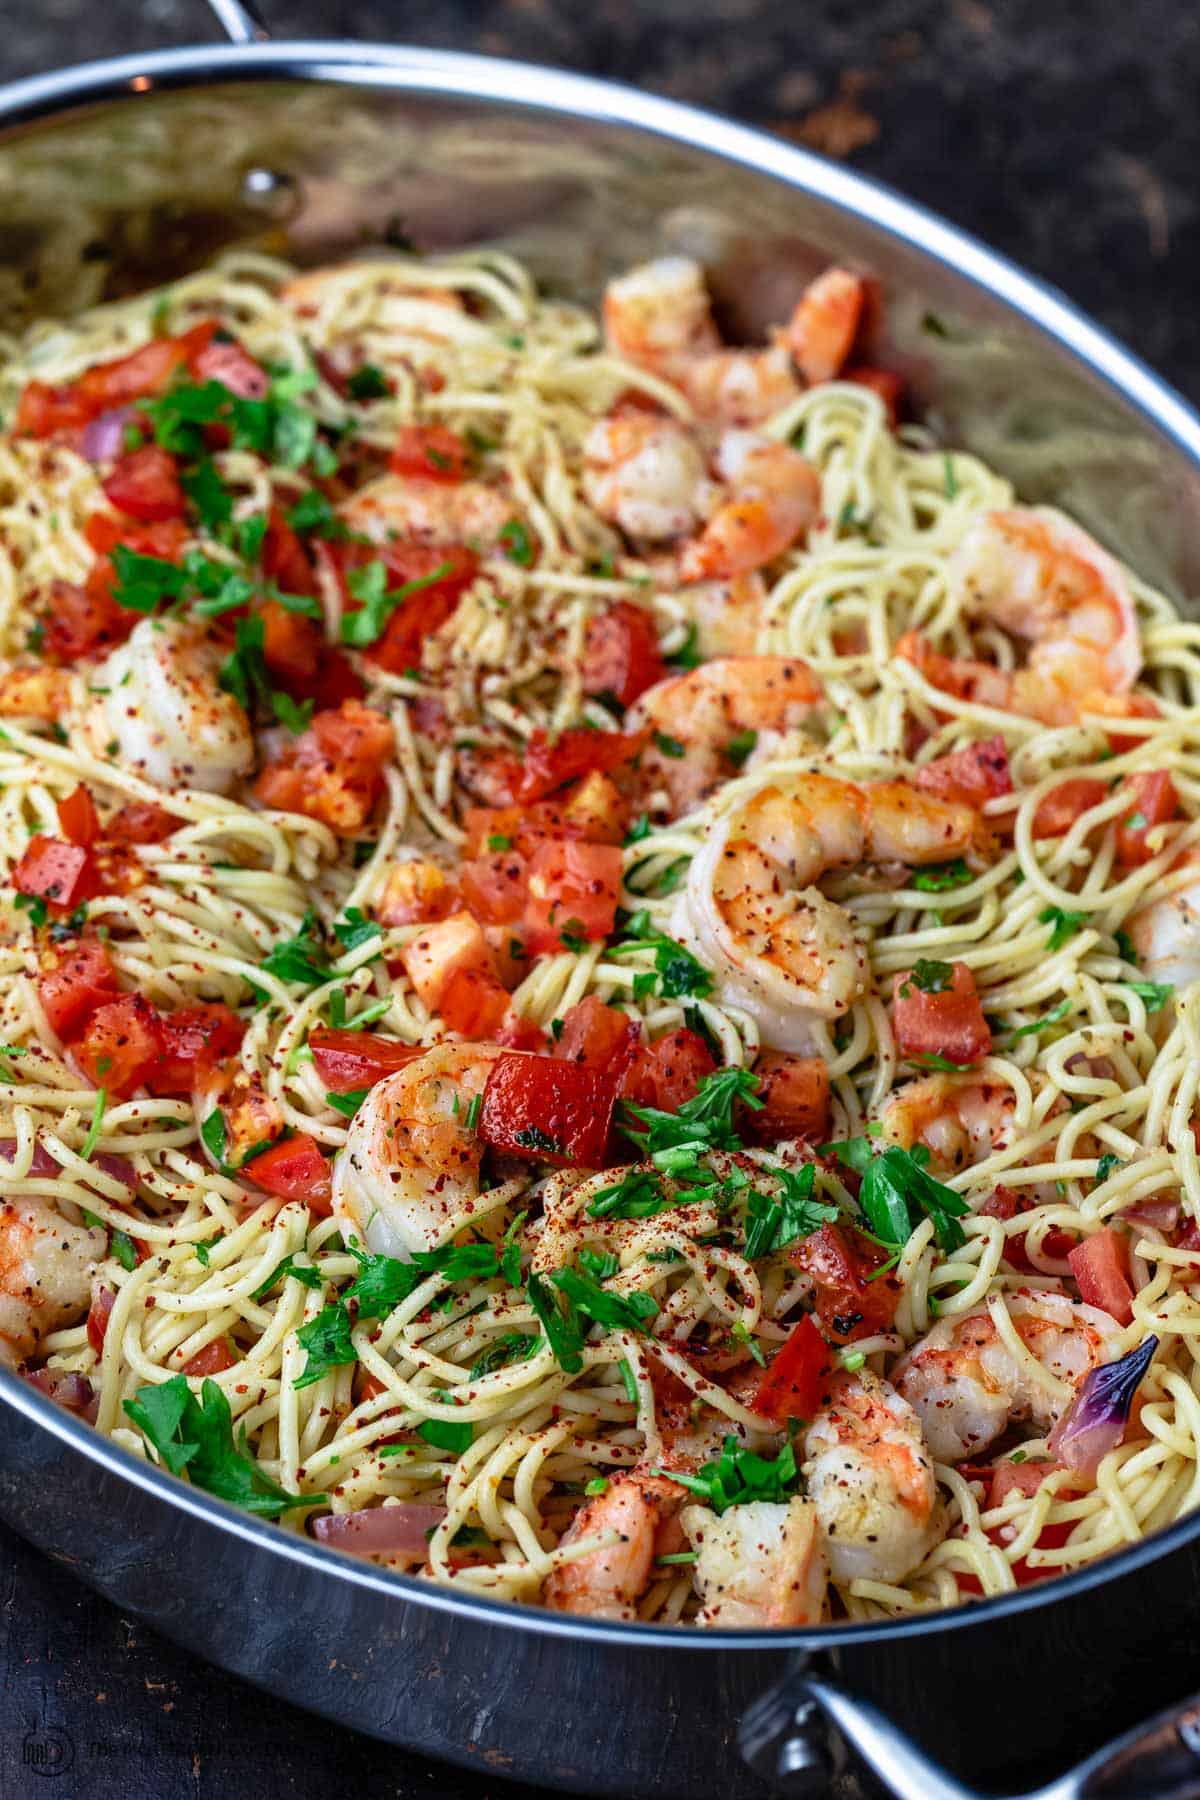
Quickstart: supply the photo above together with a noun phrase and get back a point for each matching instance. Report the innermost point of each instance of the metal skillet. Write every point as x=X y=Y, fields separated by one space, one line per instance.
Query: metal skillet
x=133 y=170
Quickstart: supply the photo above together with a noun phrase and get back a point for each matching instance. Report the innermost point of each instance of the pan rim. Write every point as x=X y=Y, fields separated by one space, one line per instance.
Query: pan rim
x=537 y=89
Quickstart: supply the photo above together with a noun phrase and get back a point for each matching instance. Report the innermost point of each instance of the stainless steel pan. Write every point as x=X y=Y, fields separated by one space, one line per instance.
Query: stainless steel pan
x=133 y=170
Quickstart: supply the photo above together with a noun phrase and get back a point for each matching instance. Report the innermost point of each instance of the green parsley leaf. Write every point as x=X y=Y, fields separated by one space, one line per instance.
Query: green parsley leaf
x=209 y=495
x=932 y=977
x=512 y=1347
x=1126 y=948
x=938 y=877
x=1154 y=994
x=348 y=1103
x=772 y=1224
x=354 y=929
x=197 y=1435
x=563 y=1332
x=603 y=1266
x=1063 y=925
x=670 y=746
x=248 y=535
x=1107 y=1165
x=739 y=1476
x=314 y=512
x=447 y=1434
x=625 y=1312
x=636 y=1196
x=124 y=1249
x=516 y=544
x=688 y=654
x=950 y=479
x=679 y=973
x=296 y=716
x=35 y=906
x=896 y=1190
x=705 y=1122
x=300 y=958
x=304 y=1273
x=1053 y=1017
x=369 y=586
x=368 y=382
x=212 y=1135
x=93 y=1133
x=933 y=1059
x=142 y=583
x=740 y=747
x=327 y=1343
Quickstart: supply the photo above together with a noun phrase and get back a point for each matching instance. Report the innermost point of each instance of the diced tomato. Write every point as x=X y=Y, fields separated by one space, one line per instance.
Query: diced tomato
x=1017 y=1478
x=212 y=1360
x=433 y=452
x=59 y=873
x=949 y=1023
x=295 y=1170
x=621 y=656
x=573 y=890
x=80 y=978
x=1005 y=1479
x=1004 y=1203
x=548 y=1110
x=293 y=647
x=337 y=681
x=417 y=892
x=594 y=811
x=823 y=327
x=516 y=1032
x=976 y=773
x=667 y=1072
x=349 y=1060
x=43 y=410
x=1153 y=801
x=140 y=375
x=1067 y=802
x=495 y=887
x=165 y=538
x=140 y=822
x=1100 y=1266
x=333 y=771
x=194 y=1038
x=121 y=1044
x=884 y=382
x=224 y=360
x=83 y=622
x=284 y=558
x=97 y=1319
x=794 y=1091
x=792 y=1384
x=474 y=1003
x=451 y=968
x=853 y=1298
x=1124 y=706
x=598 y=1036
x=78 y=818
x=550 y=763
x=427 y=608
x=145 y=484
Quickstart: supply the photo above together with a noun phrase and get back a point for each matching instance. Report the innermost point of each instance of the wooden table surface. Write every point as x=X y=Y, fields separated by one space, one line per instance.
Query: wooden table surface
x=1067 y=136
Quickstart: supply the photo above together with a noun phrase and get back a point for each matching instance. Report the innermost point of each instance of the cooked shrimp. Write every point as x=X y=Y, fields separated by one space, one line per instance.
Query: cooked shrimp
x=1166 y=934
x=761 y=1563
x=774 y=497
x=959 y=1121
x=968 y=1385
x=823 y=327
x=419 y=312
x=647 y=476
x=46 y=1269
x=428 y=512
x=43 y=693
x=1047 y=582
x=658 y=315
x=160 y=705
x=740 y=387
x=784 y=951
x=407 y=1176
x=871 y=1480
x=728 y=615
x=696 y=717
x=607 y=1584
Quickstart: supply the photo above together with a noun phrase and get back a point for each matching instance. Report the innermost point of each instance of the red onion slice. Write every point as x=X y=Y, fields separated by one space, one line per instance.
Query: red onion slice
x=1095 y=1421
x=74 y=1393
x=1162 y=1214
x=44 y=1165
x=400 y=1530
x=103 y=437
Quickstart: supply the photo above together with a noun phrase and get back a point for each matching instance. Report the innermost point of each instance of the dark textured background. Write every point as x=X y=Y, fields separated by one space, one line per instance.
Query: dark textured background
x=1064 y=132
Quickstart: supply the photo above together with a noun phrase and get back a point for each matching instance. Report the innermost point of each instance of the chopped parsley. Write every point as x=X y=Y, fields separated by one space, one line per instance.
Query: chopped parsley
x=368 y=585
x=688 y=654
x=772 y=1224
x=301 y=1272
x=447 y=1434
x=347 y=1103
x=938 y=877
x=512 y=1347
x=739 y=1475
x=669 y=746
x=354 y=929
x=678 y=972
x=930 y=977
x=1153 y=994
x=516 y=543
x=1053 y=1017
x=300 y=958
x=196 y=1435
x=1063 y=925
x=93 y=1132
x=368 y=382
x=1107 y=1165
x=740 y=747
x=897 y=1190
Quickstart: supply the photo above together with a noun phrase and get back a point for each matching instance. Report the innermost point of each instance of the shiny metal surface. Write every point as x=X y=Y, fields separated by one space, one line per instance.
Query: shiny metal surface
x=138 y=169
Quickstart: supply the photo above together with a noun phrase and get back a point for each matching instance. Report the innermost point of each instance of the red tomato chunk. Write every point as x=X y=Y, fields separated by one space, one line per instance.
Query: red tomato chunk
x=598 y=1037
x=1056 y=814
x=62 y=874
x=1100 y=1266
x=349 y=1060
x=194 y=1038
x=793 y=1382
x=145 y=484
x=970 y=776
x=667 y=1072
x=78 y=817
x=79 y=978
x=1153 y=801
x=794 y=1091
x=949 y=1023
x=853 y=1299
x=621 y=656
x=295 y=1170
x=573 y=893
x=121 y=1044
x=548 y=1110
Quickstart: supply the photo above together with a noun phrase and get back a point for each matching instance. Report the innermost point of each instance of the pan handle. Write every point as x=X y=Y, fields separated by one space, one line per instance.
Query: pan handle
x=240 y=20
x=797 y=1737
